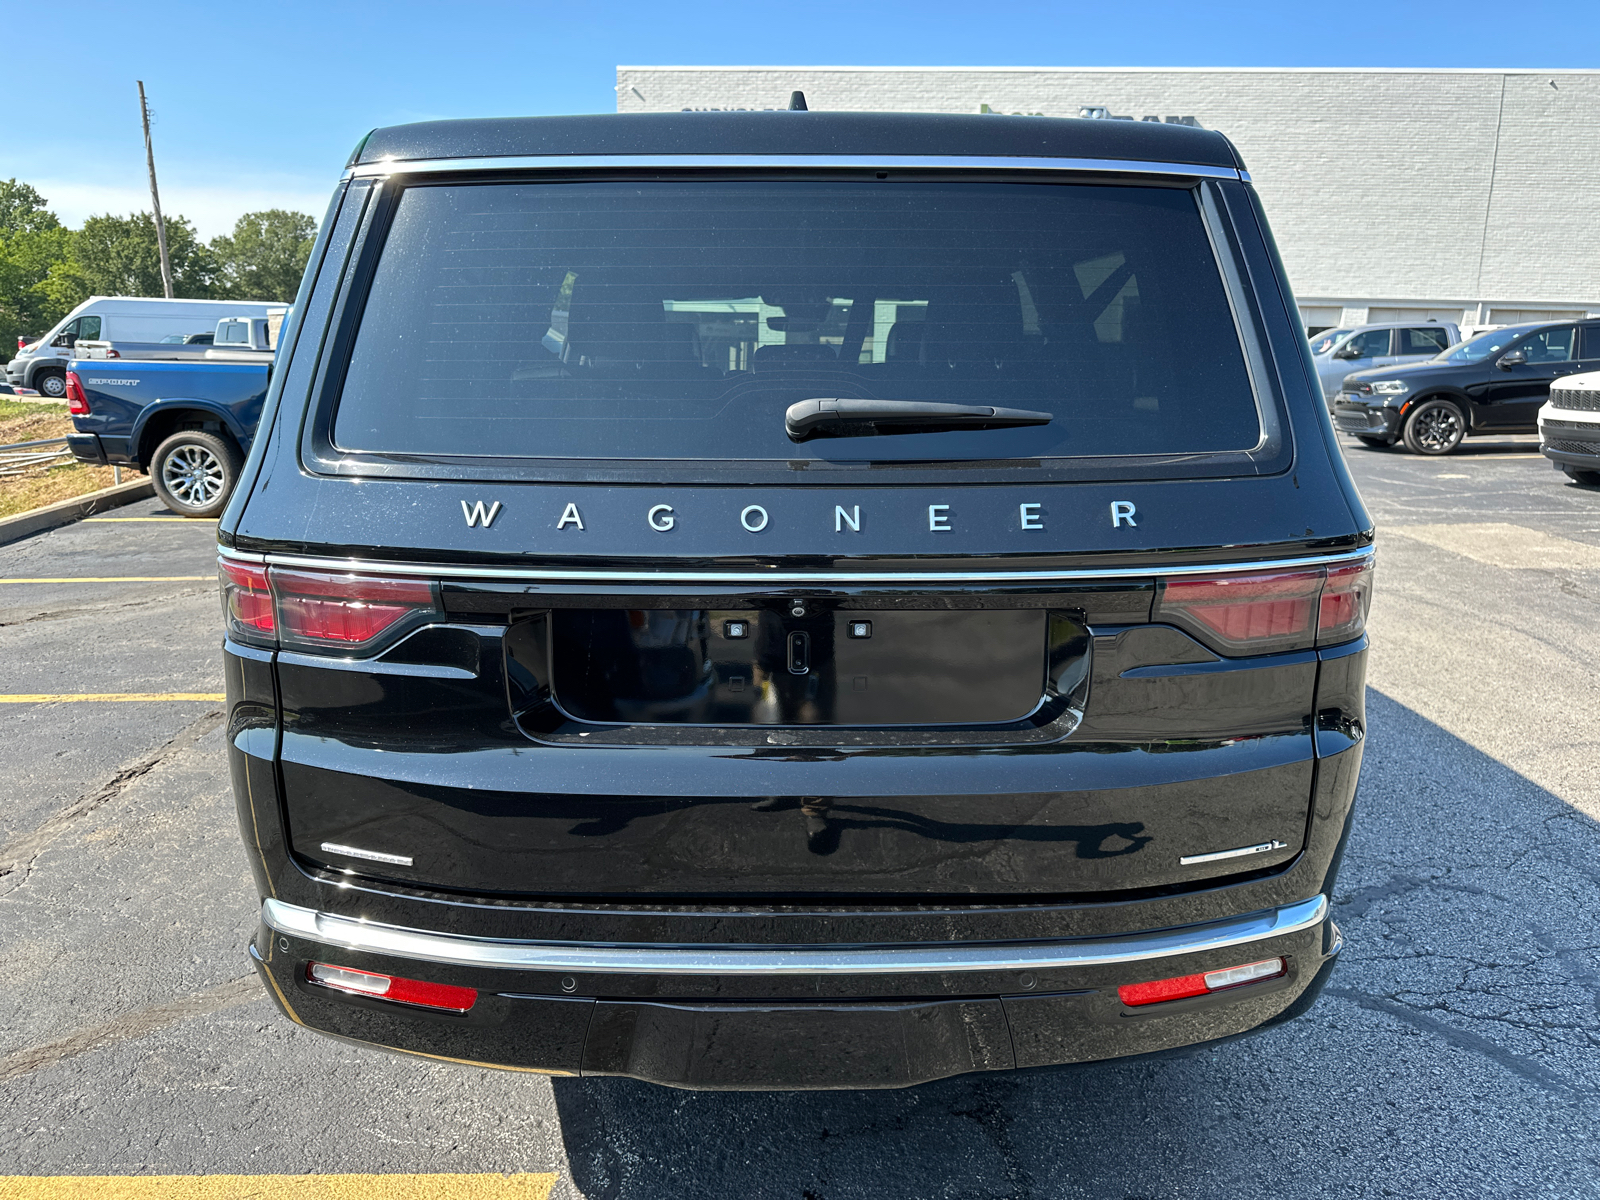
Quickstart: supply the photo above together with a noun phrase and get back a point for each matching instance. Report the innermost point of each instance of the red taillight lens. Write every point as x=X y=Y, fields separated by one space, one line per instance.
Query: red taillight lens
x=393 y=987
x=1182 y=986
x=1267 y=611
x=1345 y=599
x=247 y=602
x=77 y=402
x=324 y=610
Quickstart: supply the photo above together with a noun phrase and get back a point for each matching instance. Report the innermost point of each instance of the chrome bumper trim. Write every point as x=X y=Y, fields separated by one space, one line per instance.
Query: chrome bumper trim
x=372 y=938
x=806 y=578
x=584 y=162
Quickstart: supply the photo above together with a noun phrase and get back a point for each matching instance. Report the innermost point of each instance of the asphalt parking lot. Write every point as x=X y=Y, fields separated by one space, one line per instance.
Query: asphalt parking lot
x=1455 y=1053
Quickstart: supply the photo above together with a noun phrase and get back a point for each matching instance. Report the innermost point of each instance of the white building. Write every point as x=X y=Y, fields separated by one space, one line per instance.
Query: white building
x=1394 y=194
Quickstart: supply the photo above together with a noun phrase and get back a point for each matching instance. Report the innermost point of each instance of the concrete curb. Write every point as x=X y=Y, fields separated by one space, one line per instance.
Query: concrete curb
x=67 y=511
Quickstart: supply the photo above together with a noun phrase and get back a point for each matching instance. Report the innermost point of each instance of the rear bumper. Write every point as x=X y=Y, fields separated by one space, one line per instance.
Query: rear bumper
x=581 y=1009
x=86 y=447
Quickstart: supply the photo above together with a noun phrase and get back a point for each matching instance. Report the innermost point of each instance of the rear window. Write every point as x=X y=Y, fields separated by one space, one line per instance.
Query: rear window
x=679 y=320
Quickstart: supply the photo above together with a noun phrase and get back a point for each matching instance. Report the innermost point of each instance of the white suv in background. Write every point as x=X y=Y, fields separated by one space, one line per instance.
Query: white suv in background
x=1569 y=427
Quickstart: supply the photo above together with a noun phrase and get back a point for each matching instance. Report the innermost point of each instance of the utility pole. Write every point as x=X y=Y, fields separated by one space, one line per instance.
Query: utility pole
x=155 y=196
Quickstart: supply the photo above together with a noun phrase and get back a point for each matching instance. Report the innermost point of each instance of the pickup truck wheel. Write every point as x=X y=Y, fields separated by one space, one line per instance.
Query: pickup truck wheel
x=194 y=473
x=51 y=383
x=1435 y=427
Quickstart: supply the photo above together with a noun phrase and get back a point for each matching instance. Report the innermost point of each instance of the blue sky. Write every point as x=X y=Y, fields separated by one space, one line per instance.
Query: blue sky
x=258 y=105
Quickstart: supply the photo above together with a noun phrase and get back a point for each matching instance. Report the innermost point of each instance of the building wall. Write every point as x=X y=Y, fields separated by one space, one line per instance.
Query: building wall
x=1432 y=191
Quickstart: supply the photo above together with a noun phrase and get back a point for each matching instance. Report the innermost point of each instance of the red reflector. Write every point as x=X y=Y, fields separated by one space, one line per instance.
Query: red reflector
x=246 y=602
x=345 y=610
x=393 y=987
x=77 y=402
x=1181 y=986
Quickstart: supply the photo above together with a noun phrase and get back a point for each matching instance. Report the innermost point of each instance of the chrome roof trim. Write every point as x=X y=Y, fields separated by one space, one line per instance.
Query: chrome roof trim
x=813 y=578
x=372 y=938
x=571 y=162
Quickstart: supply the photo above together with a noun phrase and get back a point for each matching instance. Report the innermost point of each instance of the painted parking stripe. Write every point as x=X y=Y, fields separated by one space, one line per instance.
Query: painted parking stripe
x=277 y=1187
x=76 y=697
x=116 y=579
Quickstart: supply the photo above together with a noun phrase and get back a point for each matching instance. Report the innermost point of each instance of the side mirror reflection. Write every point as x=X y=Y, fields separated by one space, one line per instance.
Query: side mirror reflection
x=1512 y=358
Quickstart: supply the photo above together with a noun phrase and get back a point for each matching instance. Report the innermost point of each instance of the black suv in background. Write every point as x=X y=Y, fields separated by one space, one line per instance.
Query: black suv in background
x=1493 y=383
x=776 y=600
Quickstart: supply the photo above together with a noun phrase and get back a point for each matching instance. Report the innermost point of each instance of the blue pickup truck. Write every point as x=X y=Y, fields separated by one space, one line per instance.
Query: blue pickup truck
x=187 y=423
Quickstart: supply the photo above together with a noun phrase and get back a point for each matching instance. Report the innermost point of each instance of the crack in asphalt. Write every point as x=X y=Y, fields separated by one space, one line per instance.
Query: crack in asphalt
x=100 y=610
x=1526 y=1068
x=17 y=858
x=132 y=1025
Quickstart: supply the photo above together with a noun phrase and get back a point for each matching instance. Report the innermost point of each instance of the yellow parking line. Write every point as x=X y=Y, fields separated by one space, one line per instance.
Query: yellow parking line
x=277 y=1187
x=71 y=697
x=115 y=579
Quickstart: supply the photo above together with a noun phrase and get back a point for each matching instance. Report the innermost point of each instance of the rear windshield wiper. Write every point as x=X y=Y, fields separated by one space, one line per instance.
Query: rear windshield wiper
x=862 y=418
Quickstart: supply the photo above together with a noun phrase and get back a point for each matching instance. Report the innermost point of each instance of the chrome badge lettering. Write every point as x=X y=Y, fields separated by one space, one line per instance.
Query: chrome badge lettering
x=660 y=518
x=478 y=515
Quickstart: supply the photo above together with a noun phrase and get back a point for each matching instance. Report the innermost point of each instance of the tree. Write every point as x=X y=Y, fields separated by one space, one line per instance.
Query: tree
x=33 y=245
x=266 y=255
x=22 y=210
x=119 y=256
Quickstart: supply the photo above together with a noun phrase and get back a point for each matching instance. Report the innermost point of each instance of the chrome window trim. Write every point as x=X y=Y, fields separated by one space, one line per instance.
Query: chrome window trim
x=372 y=938
x=812 y=578
x=576 y=162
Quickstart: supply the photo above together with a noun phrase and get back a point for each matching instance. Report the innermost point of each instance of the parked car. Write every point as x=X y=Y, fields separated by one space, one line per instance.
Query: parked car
x=1368 y=346
x=1493 y=384
x=187 y=422
x=1325 y=339
x=7 y=389
x=701 y=608
x=231 y=333
x=133 y=324
x=1569 y=427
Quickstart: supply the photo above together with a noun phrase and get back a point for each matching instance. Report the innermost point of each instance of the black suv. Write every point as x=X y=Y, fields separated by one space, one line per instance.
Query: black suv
x=1494 y=383
x=792 y=599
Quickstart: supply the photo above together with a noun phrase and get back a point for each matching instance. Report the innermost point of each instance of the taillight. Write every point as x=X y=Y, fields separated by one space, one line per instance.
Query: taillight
x=321 y=610
x=1182 y=986
x=247 y=603
x=393 y=987
x=77 y=402
x=1345 y=599
x=1268 y=611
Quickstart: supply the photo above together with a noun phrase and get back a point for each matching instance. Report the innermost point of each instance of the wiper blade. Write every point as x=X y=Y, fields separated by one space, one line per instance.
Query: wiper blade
x=824 y=417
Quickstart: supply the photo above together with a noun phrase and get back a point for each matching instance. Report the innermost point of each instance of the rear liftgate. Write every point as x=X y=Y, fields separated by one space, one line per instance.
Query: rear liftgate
x=882 y=743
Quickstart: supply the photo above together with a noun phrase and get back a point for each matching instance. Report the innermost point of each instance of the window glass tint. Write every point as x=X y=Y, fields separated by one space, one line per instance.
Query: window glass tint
x=680 y=320
x=89 y=329
x=1374 y=343
x=1589 y=341
x=1426 y=339
x=1549 y=345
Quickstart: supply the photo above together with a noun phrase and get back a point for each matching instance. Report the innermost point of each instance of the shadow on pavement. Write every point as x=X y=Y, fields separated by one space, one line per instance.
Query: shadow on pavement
x=1451 y=1054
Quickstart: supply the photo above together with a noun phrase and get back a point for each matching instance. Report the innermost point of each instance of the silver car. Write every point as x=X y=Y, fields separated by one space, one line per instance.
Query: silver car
x=1378 y=346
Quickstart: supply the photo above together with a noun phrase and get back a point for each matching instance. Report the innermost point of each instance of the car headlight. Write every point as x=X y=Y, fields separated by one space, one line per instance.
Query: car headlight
x=1390 y=387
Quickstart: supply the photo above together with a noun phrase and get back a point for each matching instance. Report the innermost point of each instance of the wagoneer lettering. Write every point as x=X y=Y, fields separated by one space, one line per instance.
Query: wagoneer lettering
x=916 y=748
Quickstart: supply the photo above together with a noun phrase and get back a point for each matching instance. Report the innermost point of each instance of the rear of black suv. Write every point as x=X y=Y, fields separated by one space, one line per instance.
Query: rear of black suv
x=794 y=600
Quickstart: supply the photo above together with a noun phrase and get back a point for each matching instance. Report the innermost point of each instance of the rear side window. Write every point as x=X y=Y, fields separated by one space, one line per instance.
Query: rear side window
x=1426 y=340
x=679 y=320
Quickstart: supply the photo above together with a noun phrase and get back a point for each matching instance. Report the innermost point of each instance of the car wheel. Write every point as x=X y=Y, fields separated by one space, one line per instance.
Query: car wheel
x=51 y=383
x=194 y=473
x=1377 y=443
x=1579 y=475
x=1435 y=427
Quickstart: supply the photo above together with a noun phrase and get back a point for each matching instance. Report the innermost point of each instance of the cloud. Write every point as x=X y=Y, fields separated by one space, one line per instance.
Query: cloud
x=212 y=209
